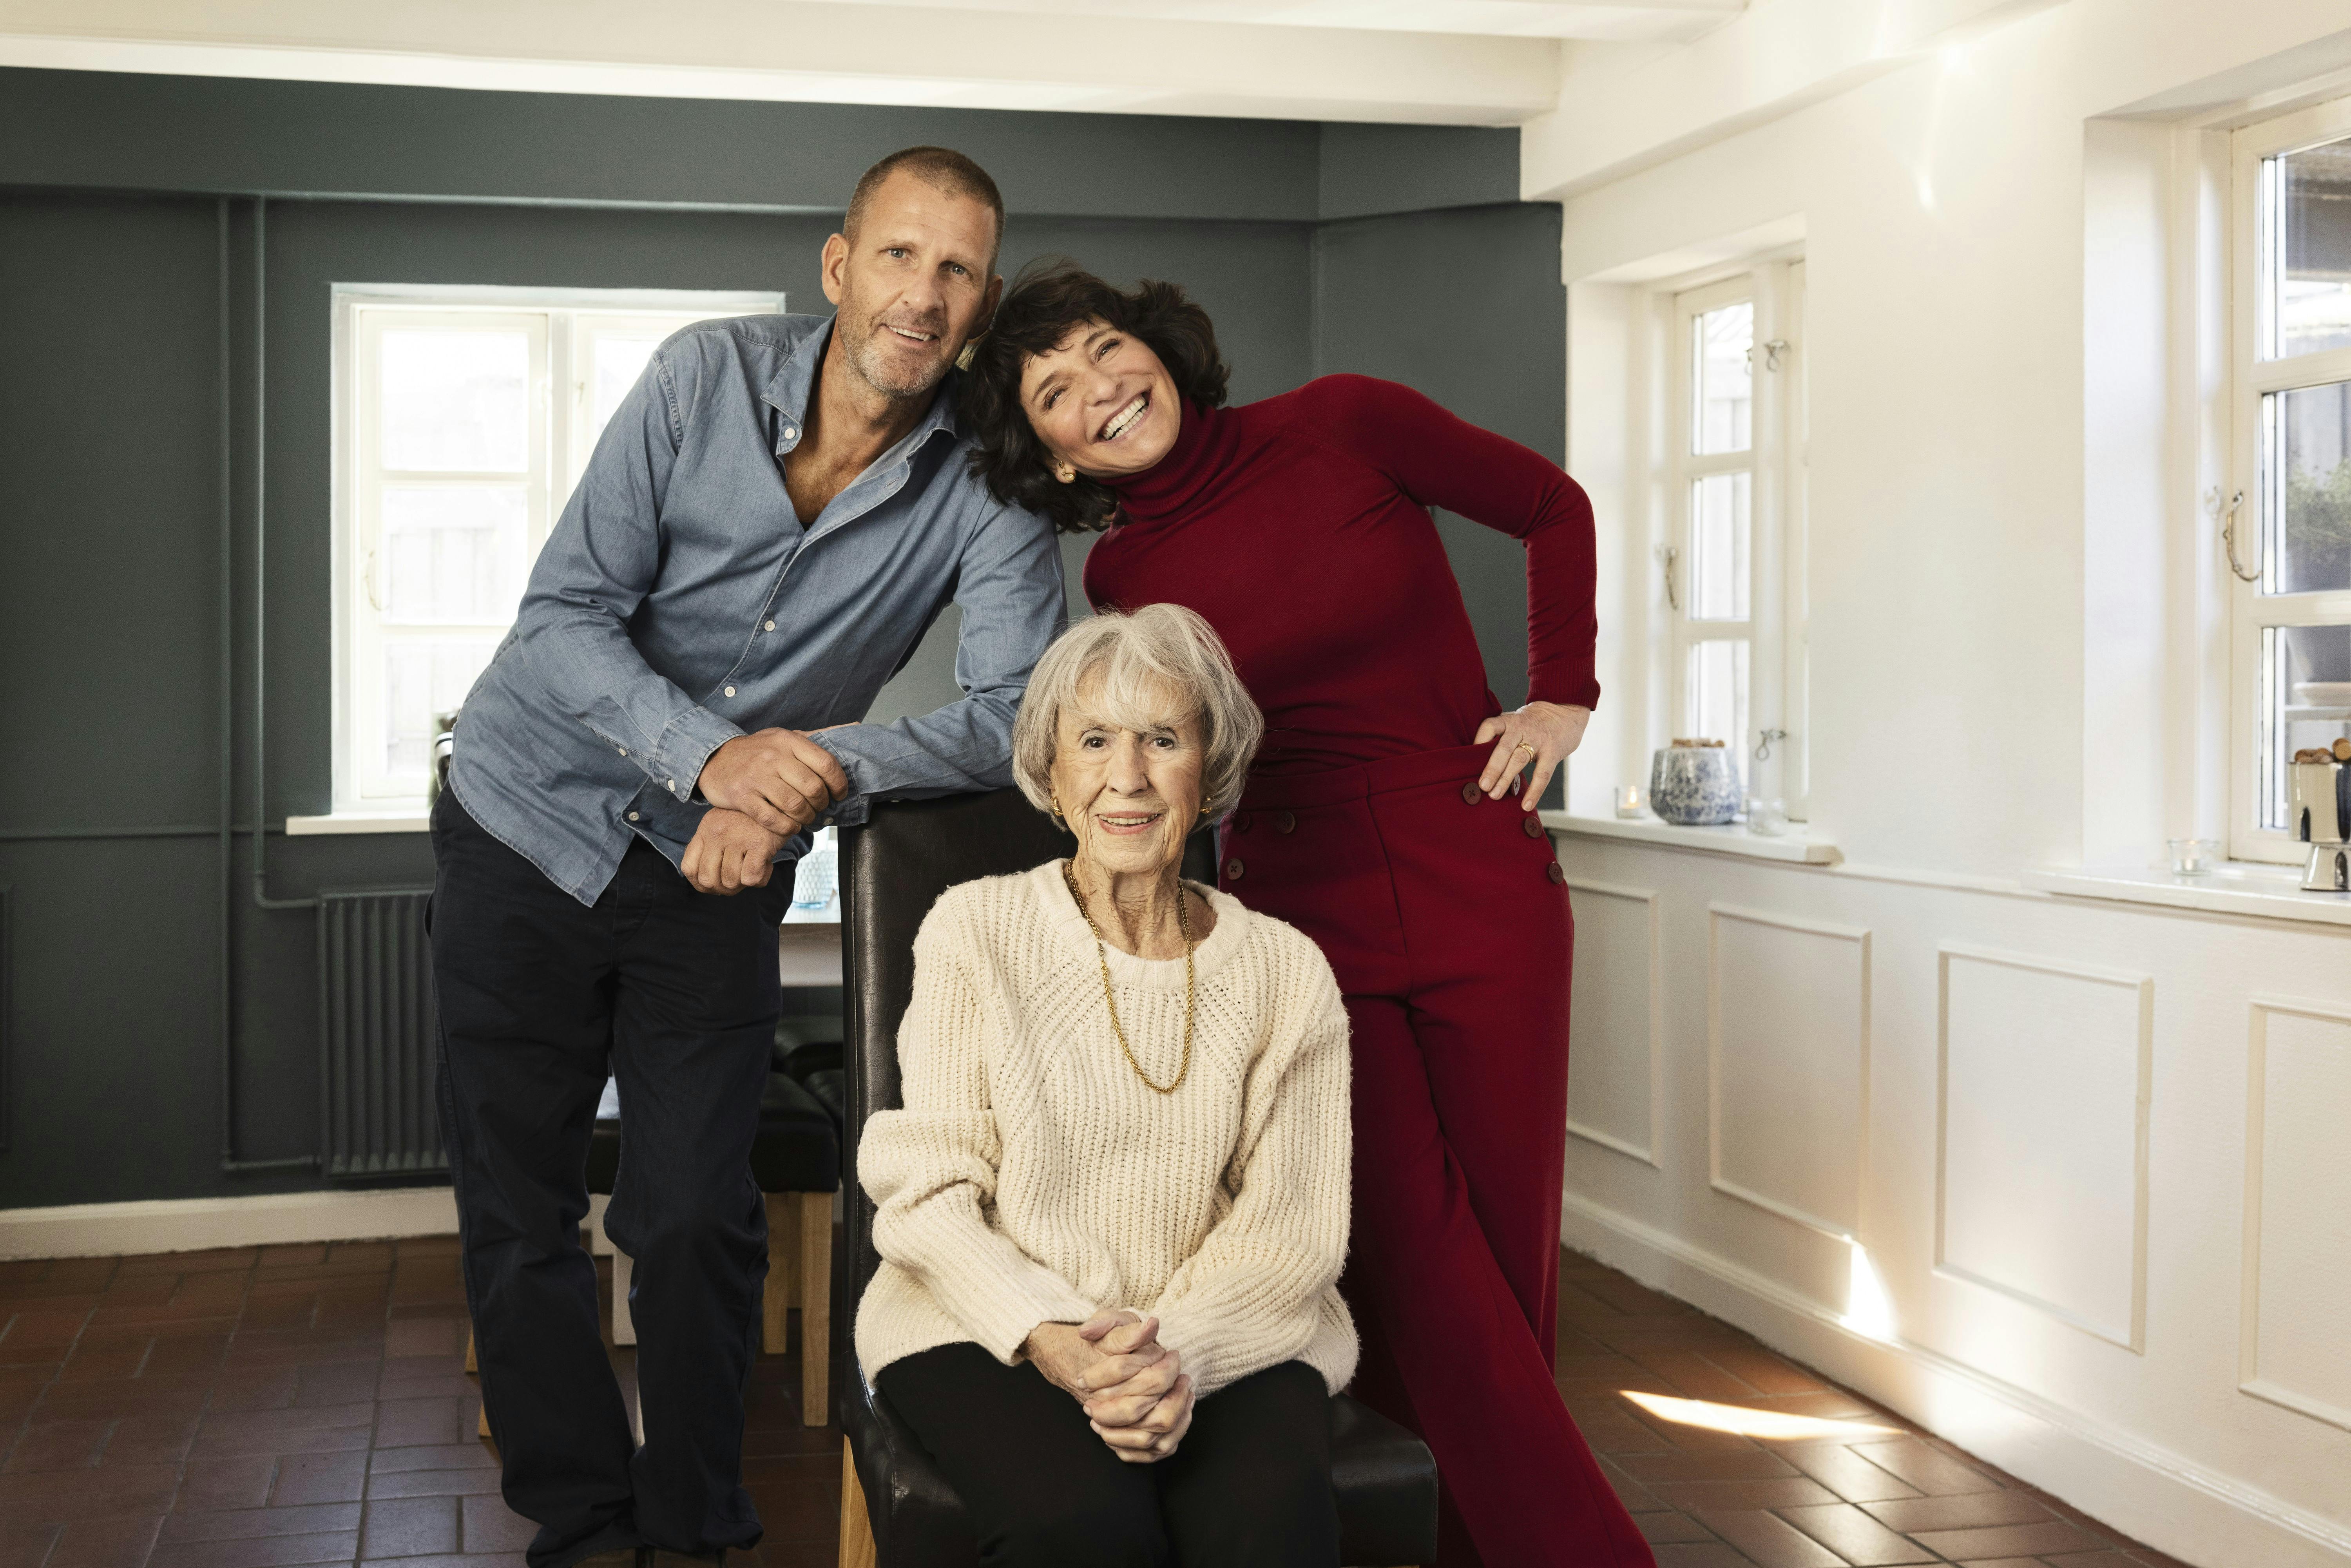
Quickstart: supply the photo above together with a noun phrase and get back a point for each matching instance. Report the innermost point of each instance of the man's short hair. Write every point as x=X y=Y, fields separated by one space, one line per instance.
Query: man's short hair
x=942 y=168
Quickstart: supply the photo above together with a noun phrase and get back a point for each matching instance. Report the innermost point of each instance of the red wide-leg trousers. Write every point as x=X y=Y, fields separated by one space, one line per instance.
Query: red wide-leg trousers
x=1444 y=916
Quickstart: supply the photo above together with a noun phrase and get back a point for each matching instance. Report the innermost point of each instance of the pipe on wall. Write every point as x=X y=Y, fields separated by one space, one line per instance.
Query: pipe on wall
x=229 y=1162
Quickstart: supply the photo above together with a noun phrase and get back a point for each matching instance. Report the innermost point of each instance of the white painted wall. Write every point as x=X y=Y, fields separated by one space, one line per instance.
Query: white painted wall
x=2098 y=1161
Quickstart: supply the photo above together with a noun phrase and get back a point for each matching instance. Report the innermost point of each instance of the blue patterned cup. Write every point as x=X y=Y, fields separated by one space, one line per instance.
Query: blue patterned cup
x=1693 y=786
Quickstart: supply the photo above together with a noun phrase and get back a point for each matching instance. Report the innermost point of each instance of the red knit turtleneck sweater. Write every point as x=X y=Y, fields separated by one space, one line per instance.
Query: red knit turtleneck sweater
x=1299 y=528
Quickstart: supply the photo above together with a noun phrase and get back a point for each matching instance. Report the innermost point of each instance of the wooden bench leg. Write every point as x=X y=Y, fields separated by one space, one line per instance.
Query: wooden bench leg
x=473 y=1366
x=856 y=1525
x=816 y=1308
x=624 y=1326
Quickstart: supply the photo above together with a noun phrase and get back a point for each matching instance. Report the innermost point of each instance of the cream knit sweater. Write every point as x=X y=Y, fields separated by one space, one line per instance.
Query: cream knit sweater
x=1032 y=1178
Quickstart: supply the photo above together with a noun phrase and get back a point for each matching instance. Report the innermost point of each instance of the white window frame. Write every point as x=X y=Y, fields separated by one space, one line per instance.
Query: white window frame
x=2253 y=378
x=561 y=325
x=1776 y=461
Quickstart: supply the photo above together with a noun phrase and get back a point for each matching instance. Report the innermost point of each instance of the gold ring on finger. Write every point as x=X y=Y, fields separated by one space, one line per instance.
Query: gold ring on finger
x=1525 y=747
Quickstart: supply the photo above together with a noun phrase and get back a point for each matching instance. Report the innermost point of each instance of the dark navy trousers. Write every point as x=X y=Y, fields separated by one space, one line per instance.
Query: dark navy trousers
x=675 y=994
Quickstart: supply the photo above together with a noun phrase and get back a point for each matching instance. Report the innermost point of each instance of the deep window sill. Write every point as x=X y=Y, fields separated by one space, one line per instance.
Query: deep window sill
x=415 y=819
x=1800 y=845
x=2239 y=887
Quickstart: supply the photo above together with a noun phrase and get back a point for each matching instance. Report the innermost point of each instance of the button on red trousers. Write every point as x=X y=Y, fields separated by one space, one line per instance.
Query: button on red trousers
x=1443 y=915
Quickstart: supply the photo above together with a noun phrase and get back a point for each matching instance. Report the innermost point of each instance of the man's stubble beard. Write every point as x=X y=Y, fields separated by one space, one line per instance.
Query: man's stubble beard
x=868 y=364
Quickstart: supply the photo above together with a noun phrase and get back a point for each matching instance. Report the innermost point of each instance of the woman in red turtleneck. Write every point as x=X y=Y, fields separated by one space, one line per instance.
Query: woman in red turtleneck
x=1385 y=817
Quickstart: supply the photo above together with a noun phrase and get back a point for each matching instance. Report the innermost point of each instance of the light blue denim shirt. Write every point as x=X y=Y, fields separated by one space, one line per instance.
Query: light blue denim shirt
x=679 y=603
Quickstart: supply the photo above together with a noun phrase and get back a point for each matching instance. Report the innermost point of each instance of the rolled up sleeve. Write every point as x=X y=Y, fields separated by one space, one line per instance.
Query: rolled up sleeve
x=1009 y=586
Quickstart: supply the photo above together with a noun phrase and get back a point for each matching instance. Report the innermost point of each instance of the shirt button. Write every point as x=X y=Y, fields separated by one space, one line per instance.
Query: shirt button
x=730 y=691
x=792 y=434
x=1556 y=872
x=668 y=783
x=624 y=751
x=1534 y=828
x=1232 y=870
x=632 y=816
x=1285 y=823
x=771 y=626
x=1469 y=793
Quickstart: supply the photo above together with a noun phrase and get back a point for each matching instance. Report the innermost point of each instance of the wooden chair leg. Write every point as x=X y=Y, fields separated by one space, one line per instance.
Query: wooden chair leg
x=783 y=1291
x=856 y=1526
x=816 y=1308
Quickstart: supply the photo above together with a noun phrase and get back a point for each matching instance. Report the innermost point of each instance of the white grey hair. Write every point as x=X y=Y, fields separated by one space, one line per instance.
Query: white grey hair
x=1130 y=658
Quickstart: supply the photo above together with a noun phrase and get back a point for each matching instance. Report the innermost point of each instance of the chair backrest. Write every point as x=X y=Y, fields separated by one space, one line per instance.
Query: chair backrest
x=891 y=871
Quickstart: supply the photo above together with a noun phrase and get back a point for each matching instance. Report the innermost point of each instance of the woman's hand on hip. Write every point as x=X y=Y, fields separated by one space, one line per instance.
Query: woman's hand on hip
x=1542 y=734
x=1157 y=1434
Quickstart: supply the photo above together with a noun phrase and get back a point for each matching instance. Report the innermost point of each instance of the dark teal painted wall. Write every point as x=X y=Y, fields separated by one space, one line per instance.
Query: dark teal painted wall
x=111 y=467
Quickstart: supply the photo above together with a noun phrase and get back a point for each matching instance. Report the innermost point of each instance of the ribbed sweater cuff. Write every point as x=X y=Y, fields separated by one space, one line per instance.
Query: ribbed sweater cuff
x=1006 y=1319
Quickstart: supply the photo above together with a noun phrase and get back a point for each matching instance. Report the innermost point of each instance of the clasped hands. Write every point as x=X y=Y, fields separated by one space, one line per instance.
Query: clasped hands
x=762 y=788
x=1135 y=1392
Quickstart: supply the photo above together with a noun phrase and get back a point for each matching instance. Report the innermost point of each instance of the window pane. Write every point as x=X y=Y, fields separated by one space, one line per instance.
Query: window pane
x=452 y=553
x=1718 y=538
x=457 y=402
x=619 y=361
x=1724 y=379
x=1717 y=697
x=2305 y=702
x=423 y=681
x=2307 y=440
x=2313 y=226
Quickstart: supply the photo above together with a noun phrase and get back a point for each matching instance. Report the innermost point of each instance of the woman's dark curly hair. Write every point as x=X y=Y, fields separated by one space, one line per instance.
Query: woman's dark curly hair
x=1052 y=298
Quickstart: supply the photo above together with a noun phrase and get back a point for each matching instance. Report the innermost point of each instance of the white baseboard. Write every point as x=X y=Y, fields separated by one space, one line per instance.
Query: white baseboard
x=199 y=1224
x=2170 y=1502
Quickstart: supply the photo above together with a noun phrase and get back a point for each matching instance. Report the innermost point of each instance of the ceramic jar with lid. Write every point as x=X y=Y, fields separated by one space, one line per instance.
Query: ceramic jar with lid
x=1692 y=784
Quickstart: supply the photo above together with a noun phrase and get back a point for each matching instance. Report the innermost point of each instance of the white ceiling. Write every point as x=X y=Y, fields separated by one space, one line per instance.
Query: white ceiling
x=1457 y=62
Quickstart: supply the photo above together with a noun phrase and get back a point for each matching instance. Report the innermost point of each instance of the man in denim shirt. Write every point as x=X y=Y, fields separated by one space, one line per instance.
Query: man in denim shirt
x=770 y=523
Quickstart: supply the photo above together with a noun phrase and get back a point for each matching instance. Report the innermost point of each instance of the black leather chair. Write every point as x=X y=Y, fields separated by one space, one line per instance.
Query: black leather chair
x=893 y=870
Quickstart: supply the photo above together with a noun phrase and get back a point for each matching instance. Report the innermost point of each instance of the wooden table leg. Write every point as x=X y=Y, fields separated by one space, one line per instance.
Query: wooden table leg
x=783 y=1287
x=816 y=1308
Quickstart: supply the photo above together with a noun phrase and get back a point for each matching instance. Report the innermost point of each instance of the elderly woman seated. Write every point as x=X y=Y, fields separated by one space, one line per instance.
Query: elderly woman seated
x=1113 y=1213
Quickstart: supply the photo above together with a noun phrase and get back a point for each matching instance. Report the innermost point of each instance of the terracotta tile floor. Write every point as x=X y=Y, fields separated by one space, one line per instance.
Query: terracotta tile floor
x=309 y=1404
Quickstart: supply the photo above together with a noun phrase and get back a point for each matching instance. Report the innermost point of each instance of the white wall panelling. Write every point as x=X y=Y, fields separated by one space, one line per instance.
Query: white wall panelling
x=1787 y=1065
x=2043 y=1075
x=1616 y=1020
x=2294 y=1349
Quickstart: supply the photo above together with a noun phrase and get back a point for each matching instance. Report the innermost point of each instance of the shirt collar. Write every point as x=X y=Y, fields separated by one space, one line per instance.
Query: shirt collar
x=789 y=389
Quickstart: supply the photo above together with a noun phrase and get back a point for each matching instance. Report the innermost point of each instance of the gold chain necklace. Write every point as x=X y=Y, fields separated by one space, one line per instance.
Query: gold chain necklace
x=1102 y=956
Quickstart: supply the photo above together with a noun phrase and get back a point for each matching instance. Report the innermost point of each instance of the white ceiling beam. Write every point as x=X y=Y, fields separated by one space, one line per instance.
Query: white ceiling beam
x=1600 y=19
x=1621 y=110
x=808 y=51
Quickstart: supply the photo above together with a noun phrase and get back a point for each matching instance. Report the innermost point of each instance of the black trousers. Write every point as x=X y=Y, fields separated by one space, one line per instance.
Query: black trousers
x=1250 y=1487
x=675 y=994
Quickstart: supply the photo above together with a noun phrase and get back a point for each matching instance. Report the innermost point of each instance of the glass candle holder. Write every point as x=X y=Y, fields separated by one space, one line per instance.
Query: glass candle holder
x=1628 y=800
x=2192 y=857
x=1766 y=819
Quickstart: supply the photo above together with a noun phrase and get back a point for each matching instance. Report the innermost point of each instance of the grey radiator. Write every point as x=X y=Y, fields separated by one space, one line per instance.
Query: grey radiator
x=378 y=1114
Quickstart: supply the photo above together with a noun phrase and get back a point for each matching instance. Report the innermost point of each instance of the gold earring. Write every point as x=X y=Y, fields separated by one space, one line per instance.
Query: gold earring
x=1060 y=818
x=1064 y=473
